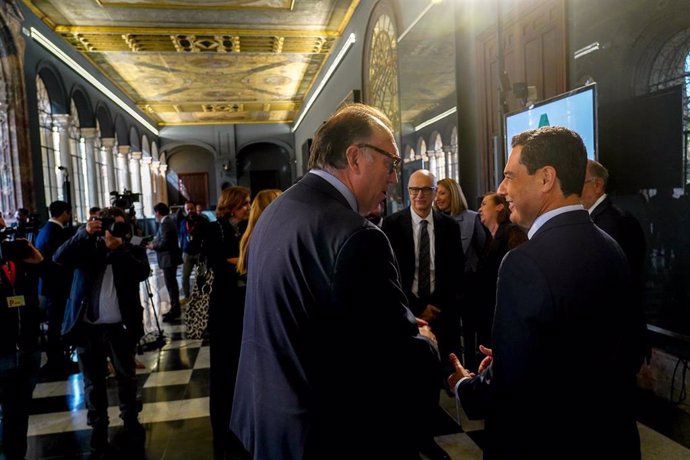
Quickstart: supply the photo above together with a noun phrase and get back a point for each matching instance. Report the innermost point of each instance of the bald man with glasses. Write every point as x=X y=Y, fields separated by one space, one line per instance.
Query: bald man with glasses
x=428 y=247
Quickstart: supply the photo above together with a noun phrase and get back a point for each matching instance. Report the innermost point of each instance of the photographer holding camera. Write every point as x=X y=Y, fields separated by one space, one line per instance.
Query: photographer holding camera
x=20 y=356
x=104 y=316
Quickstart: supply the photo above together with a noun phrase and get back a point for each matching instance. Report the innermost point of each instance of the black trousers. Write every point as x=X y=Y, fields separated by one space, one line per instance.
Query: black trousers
x=102 y=341
x=18 y=374
x=170 y=278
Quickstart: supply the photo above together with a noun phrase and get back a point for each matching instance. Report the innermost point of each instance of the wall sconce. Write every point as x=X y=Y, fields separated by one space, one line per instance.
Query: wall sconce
x=227 y=167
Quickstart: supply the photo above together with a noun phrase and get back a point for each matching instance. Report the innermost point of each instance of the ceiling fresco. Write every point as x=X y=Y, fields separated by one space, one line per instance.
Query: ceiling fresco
x=189 y=62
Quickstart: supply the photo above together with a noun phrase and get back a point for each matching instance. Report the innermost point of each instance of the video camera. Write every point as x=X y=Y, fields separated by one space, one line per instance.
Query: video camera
x=124 y=200
x=13 y=249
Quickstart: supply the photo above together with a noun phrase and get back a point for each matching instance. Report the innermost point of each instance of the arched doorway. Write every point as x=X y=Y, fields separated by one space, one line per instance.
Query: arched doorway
x=264 y=165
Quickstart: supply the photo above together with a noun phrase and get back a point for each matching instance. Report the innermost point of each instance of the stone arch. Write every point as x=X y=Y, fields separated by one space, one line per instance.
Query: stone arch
x=264 y=164
x=134 y=139
x=154 y=150
x=121 y=131
x=84 y=107
x=105 y=121
x=55 y=87
x=145 y=146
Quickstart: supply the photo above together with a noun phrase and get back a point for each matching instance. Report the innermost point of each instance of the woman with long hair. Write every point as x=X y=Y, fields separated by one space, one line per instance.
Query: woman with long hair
x=451 y=201
x=221 y=248
x=261 y=202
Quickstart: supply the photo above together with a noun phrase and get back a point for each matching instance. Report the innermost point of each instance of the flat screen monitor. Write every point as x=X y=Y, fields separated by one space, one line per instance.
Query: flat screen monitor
x=575 y=110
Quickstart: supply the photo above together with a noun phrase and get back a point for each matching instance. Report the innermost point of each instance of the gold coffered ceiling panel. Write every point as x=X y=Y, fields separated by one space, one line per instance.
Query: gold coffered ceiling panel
x=186 y=62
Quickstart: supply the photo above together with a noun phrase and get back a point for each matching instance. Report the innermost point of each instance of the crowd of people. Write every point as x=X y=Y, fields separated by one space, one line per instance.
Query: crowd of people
x=329 y=320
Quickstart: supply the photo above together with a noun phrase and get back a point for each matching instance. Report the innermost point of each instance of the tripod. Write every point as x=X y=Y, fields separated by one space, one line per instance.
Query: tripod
x=152 y=340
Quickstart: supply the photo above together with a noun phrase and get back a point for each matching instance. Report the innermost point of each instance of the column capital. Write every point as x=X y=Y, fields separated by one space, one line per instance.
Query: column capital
x=107 y=142
x=123 y=149
x=88 y=134
x=61 y=121
x=155 y=164
x=163 y=168
x=135 y=155
x=147 y=161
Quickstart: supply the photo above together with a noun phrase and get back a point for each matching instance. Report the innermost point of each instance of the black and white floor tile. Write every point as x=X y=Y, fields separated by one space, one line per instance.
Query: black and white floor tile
x=174 y=390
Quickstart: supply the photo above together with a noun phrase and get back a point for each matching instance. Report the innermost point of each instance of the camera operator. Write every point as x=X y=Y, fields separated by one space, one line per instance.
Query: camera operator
x=20 y=356
x=104 y=316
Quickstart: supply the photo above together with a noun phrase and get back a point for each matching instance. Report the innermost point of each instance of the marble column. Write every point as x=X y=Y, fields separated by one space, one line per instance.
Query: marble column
x=109 y=180
x=123 y=168
x=92 y=173
x=163 y=177
x=155 y=183
x=147 y=196
x=62 y=157
x=135 y=177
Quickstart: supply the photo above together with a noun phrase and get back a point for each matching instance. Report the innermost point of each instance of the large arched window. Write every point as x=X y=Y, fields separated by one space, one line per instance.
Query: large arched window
x=77 y=152
x=52 y=186
x=671 y=67
x=437 y=158
x=452 y=157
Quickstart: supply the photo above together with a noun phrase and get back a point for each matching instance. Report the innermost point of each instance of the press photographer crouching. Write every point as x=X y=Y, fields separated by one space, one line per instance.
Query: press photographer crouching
x=104 y=317
x=20 y=356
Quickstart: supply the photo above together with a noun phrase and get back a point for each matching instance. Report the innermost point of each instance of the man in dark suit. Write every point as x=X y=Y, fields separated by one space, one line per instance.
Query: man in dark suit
x=566 y=343
x=104 y=317
x=326 y=321
x=169 y=257
x=54 y=288
x=433 y=295
x=620 y=226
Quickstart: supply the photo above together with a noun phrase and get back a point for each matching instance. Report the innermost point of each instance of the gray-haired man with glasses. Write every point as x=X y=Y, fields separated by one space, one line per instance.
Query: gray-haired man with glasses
x=428 y=247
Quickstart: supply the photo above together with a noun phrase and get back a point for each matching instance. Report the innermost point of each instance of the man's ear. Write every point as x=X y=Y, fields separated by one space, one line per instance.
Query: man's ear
x=354 y=156
x=548 y=178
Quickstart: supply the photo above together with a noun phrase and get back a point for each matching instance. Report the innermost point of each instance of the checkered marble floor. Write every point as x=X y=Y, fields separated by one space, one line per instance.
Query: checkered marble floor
x=174 y=391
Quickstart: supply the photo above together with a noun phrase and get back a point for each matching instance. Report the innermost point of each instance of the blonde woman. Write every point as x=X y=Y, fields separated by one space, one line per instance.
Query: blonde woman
x=451 y=201
x=261 y=202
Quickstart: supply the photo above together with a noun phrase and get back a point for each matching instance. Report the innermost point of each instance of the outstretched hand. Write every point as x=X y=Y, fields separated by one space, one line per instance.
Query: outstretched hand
x=488 y=357
x=460 y=371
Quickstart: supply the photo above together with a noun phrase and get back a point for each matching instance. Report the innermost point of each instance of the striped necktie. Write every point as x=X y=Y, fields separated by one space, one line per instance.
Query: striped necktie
x=424 y=257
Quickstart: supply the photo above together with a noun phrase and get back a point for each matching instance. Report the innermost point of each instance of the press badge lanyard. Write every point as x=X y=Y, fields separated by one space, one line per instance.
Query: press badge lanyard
x=10 y=271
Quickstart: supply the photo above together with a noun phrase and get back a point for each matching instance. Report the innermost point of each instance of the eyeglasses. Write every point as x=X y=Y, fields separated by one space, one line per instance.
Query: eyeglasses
x=396 y=159
x=417 y=190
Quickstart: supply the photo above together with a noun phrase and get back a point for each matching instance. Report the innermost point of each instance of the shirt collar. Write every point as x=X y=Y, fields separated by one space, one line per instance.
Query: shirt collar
x=416 y=219
x=596 y=203
x=339 y=186
x=547 y=216
x=55 y=221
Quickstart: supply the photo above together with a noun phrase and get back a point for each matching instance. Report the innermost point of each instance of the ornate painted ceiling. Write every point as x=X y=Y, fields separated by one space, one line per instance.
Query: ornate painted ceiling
x=205 y=61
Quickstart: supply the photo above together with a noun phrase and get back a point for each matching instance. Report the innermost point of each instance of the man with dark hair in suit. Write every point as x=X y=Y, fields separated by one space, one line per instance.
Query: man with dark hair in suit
x=54 y=288
x=566 y=336
x=169 y=257
x=430 y=274
x=326 y=321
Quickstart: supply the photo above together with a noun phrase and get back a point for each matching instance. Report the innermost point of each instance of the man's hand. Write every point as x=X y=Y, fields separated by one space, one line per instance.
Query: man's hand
x=94 y=226
x=460 y=372
x=36 y=257
x=112 y=242
x=425 y=330
x=488 y=357
x=430 y=312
